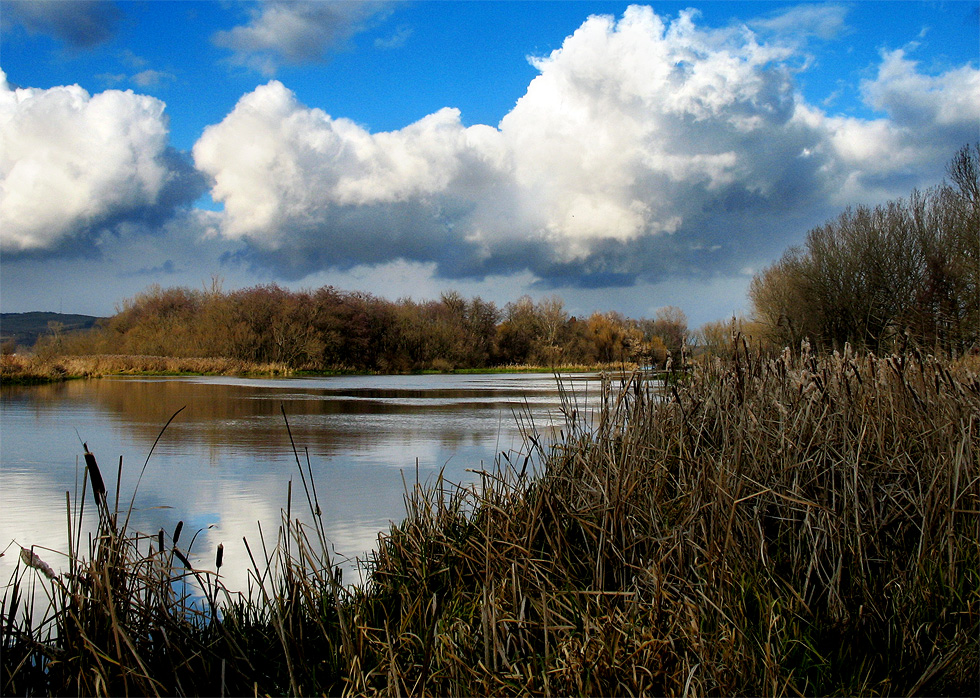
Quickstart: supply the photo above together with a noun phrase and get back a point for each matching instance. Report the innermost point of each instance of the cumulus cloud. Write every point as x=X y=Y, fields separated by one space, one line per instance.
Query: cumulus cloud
x=925 y=119
x=80 y=24
x=914 y=100
x=630 y=118
x=75 y=164
x=324 y=191
x=644 y=148
x=295 y=32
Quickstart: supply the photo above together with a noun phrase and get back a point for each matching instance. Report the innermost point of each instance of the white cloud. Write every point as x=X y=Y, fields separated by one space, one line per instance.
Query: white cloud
x=926 y=118
x=295 y=32
x=303 y=169
x=72 y=162
x=823 y=20
x=643 y=148
x=396 y=40
x=153 y=78
x=918 y=101
x=629 y=116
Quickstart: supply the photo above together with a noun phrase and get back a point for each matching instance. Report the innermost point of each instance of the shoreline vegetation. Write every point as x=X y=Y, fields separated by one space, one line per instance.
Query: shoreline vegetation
x=29 y=369
x=791 y=525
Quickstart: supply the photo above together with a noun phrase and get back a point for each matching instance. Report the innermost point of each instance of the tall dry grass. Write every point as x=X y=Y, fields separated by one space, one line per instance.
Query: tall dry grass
x=42 y=368
x=797 y=526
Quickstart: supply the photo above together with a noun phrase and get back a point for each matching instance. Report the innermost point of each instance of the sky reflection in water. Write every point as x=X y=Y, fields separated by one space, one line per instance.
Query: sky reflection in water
x=225 y=462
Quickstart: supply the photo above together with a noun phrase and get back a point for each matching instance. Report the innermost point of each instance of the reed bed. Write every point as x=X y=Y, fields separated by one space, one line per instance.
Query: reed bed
x=796 y=526
x=28 y=369
x=613 y=367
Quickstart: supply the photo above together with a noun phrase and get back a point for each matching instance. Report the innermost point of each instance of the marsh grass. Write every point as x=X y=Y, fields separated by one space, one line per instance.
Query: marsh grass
x=617 y=367
x=29 y=369
x=797 y=526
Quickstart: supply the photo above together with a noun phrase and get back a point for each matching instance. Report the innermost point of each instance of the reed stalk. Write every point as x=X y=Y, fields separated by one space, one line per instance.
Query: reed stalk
x=794 y=526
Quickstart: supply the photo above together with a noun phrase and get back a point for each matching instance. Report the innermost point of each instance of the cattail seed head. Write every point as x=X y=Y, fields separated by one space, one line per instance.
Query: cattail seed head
x=31 y=559
x=180 y=525
x=98 y=484
x=219 y=557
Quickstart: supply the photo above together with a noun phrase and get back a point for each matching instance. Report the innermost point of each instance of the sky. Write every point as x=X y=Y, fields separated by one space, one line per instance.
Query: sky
x=623 y=157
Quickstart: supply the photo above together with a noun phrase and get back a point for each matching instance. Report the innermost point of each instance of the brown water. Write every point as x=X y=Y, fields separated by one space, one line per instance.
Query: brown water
x=225 y=462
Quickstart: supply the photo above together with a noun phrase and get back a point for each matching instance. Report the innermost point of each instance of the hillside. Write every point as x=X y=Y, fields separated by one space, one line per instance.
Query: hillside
x=23 y=329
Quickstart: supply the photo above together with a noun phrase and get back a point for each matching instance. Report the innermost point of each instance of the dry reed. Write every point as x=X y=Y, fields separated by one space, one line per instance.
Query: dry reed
x=41 y=369
x=796 y=526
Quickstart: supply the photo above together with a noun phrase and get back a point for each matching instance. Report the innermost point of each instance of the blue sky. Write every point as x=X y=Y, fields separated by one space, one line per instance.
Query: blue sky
x=623 y=157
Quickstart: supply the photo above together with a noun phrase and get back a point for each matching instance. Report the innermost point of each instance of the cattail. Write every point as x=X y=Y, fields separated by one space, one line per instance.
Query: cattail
x=180 y=525
x=98 y=484
x=31 y=559
x=160 y=539
x=219 y=556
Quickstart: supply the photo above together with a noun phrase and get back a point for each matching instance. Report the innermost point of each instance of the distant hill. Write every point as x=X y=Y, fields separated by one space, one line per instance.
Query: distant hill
x=24 y=328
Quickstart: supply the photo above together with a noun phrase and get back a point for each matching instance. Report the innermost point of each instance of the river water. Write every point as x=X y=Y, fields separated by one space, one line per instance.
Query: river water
x=224 y=464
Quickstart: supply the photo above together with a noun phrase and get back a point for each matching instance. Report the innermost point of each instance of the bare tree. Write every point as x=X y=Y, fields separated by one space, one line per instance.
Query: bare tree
x=875 y=276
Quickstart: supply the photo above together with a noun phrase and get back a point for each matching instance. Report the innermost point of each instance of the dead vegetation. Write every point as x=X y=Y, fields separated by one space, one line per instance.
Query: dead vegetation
x=797 y=526
x=28 y=369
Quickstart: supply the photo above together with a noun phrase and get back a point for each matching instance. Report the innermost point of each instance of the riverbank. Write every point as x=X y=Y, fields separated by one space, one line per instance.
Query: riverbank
x=32 y=370
x=773 y=527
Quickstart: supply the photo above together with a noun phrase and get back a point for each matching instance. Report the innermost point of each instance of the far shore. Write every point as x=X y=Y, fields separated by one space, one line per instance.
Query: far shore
x=26 y=369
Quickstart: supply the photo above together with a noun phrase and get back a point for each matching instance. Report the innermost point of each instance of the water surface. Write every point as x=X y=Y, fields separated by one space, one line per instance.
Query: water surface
x=225 y=462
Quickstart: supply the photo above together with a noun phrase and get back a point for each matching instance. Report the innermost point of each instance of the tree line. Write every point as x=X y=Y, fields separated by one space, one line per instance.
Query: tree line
x=881 y=277
x=876 y=277
x=331 y=329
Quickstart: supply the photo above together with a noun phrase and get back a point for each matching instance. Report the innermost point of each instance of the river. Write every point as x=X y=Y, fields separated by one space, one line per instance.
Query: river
x=224 y=464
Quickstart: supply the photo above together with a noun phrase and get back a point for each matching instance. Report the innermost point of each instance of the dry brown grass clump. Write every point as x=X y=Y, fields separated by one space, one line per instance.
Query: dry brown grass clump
x=969 y=363
x=798 y=526
x=117 y=617
x=39 y=369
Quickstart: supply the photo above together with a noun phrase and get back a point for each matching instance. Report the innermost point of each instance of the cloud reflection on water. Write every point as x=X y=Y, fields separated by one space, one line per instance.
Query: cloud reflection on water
x=225 y=462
